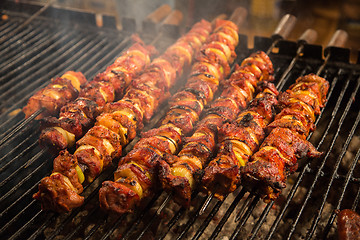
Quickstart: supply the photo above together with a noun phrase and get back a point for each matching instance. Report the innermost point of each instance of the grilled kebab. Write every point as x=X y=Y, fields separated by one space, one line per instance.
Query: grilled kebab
x=78 y=116
x=237 y=140
x=118 y=124
x=56 y=94
x=179 y=174
x=286 y=144
x=135 y=178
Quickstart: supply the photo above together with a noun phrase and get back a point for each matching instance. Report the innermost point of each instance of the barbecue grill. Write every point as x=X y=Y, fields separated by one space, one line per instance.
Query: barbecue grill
x=33 y=53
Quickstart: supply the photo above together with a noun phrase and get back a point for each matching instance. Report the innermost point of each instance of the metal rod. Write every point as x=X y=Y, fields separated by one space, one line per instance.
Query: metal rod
x=244 y=206
x=308 y=37
x=163 y=204
x=227 y=214
x=245 y=217
x=9 y=134
x=189 y=223
x=140 y=217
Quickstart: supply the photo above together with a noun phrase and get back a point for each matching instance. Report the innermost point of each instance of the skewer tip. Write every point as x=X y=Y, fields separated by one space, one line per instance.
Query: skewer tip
x=206 y=203
x=164 y=203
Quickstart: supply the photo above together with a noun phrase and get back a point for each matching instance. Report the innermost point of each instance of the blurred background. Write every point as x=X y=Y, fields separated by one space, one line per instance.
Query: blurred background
x=324 y=16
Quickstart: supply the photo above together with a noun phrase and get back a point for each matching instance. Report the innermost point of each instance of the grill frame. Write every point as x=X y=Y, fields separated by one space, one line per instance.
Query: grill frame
x=32 y=159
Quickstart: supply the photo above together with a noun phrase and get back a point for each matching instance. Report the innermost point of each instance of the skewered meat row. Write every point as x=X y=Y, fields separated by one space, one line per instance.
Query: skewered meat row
x=135 y=177
x=78 y=116
x=51 y=98
x=178 y=174
x=286 y=144
x=117 y=125
x=237 y=140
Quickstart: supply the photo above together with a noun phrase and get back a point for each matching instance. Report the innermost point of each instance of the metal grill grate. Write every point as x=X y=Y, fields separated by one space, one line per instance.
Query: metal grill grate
x=43 y=50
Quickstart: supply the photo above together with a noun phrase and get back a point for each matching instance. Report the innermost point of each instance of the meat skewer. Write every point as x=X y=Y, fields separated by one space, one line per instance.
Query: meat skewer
x=117 y=125
x=237 y=140
x=178 y=174
x=339 y=37
x=78 y=116
x=135 y=178
x=236 y=145
x=286 y=143
x=282 y=31
x=56 y=94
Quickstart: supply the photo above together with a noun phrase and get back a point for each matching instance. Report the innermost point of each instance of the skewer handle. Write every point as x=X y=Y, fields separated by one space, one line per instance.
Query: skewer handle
x=338 y=39
x=238 y=16
x=174 y=18
x=159 y=14
x=284 y=27
x=222 y=16
x=308 y=37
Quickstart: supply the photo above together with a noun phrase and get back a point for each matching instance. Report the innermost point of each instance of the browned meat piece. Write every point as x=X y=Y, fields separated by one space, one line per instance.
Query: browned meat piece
x=57 y=194
x=348 y=225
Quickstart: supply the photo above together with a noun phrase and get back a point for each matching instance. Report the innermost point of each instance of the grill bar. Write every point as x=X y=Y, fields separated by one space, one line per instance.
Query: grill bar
x=227 y=214
x=8 y=134
x=346 y=183
x=19 y=155
x=208 y=219
x=244 y=207
x=244 y=218
x=18 y=58
x=30 y=38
